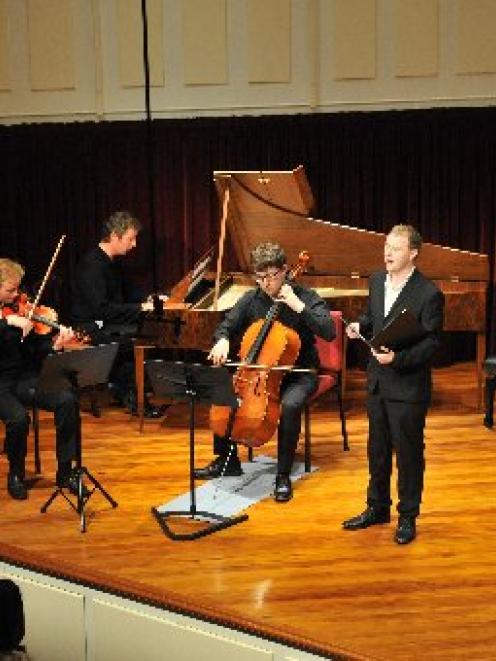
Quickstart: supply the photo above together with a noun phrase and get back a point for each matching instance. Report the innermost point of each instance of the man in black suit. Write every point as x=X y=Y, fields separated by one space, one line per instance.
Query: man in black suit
x=399 y=383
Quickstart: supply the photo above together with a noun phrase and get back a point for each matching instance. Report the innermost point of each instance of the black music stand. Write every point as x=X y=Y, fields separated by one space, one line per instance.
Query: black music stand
x=76 y=370
x=193 y=383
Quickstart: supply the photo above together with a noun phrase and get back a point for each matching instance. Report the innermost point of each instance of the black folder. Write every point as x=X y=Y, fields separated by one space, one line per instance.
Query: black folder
x=401 y=332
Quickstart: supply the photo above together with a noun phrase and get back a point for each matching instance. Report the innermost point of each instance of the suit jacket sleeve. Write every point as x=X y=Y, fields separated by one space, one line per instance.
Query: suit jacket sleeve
x=365 y=322
x=235 y=320
x=431 y=317
x=316 y=315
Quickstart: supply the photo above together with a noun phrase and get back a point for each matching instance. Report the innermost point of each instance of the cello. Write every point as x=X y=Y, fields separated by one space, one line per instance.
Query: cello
x=268 y=350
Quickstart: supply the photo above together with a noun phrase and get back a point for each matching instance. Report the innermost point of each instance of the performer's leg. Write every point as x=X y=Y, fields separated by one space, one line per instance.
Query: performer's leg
x=65 y=407
x=379 y=450
x=16 y=420
x=225 y=463
x=222 y=446
x=295 y=391
x=407 y=422
x=489 y=413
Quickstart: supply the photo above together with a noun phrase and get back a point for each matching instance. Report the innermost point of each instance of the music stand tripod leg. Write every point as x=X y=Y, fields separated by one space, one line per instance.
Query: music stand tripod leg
x=215 y=521
x=105 y=354
x=97 y=485
x=83 y=495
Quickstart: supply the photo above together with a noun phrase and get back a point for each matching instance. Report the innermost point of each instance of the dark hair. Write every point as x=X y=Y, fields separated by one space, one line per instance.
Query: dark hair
x=119 y=222
x=11 y=616
x=267 y=254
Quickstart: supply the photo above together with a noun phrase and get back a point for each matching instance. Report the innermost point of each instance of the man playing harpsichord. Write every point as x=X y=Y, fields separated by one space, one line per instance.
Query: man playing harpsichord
x=107 y=306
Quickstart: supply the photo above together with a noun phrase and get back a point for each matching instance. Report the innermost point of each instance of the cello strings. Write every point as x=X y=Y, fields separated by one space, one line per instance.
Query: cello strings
x=217 y=486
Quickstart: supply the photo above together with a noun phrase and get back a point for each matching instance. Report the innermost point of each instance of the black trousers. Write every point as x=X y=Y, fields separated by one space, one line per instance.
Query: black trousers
x=15 y=396
x=296 y=389
x=397 y=426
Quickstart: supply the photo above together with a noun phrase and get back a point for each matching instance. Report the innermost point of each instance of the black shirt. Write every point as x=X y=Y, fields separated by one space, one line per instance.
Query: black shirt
x=314 y=320
x=100 y=293
x=19 y=356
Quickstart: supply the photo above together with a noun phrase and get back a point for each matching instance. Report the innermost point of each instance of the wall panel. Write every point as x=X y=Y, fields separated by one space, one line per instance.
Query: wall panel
x=130 y=42
x=204 y=42
x=354 y=39
x=269 y=41
x=416 y=37
x=164 y=639
x=51 y=44
x=4 y=48
x=476 y=36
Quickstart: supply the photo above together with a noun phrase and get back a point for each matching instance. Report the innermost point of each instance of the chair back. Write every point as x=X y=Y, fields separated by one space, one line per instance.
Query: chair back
x=331 y=353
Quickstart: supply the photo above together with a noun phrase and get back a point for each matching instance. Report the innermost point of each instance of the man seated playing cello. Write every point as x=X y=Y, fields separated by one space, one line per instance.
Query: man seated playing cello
x=21 y=353
x=308 y=315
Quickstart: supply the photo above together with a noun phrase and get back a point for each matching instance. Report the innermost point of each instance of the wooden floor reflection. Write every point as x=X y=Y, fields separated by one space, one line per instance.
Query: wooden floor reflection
x=289 y=572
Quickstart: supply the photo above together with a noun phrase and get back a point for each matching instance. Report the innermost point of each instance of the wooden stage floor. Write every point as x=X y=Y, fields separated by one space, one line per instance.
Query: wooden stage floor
x=289 y=573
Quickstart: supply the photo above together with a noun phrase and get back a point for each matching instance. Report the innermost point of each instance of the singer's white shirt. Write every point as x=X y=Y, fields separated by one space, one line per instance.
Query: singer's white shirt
x=391 y=292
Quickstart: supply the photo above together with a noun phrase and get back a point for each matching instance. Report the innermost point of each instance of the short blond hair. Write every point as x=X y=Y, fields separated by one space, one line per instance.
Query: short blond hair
x=10 y=270
x=413 y=236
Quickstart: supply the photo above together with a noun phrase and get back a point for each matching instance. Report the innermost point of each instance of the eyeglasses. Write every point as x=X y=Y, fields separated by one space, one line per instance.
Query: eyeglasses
x=265 y=277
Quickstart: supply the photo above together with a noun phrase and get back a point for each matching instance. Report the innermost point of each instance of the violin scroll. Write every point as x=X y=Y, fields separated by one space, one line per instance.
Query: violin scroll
x=301 y=266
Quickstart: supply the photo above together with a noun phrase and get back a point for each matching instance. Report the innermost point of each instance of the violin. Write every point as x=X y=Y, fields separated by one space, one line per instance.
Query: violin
x=266 y=345
x=44 y=318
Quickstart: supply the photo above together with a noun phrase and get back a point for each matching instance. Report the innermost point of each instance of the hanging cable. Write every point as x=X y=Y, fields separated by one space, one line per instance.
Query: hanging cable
x=149 y=143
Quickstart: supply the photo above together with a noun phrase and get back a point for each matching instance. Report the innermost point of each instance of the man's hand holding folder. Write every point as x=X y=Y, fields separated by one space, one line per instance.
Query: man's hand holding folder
x=399 y=333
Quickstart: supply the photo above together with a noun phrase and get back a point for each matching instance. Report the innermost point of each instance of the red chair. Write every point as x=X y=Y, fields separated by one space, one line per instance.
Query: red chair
x=331 y=356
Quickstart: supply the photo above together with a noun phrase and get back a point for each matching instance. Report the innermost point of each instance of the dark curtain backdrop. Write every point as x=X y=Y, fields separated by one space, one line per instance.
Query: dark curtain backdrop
x=433 y=168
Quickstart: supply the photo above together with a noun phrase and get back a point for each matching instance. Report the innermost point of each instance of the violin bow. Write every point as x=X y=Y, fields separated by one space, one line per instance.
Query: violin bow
x=268 y=368
x=46 y=276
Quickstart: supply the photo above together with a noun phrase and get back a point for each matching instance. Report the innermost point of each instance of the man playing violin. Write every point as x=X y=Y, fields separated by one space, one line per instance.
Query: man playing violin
x=107 y=306
x=21 y=355
x=304 y=312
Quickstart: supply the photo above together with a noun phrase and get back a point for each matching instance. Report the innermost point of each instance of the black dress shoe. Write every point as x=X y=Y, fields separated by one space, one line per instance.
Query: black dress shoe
x=406 y=530
x=70 y=481
x=284 y=489
x=488 y=422
x=370 y=517
x=152 y=412
x=216 y=468
x=16 y=487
